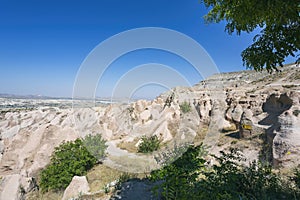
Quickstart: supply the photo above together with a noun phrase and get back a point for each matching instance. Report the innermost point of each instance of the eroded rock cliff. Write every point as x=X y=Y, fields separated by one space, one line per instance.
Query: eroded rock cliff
x=256 y=112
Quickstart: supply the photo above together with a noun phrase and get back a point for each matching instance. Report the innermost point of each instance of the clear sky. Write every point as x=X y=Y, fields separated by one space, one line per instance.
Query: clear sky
x=44 y=42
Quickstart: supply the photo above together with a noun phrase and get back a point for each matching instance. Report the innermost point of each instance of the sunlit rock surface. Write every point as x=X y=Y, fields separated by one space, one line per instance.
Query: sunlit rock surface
x=223 y=104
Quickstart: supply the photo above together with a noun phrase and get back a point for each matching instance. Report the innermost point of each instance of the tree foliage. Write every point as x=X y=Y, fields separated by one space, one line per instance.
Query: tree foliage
x=69 y=159
x=296 y=177
x=149 y=144
x=190 y=177
x=279 y=21
x=95 y=145
x=180 y=176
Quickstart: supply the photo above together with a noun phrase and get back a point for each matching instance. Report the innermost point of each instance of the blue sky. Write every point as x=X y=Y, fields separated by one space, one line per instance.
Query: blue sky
x=43 y=43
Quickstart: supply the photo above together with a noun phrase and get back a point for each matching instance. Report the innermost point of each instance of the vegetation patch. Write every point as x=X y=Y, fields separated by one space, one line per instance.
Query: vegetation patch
x=201 y=134
x=124 y=177
x=95 y=145
x=149 y=144
x=189 y=177
x=38 y=195
x=179 y=176
x=185 y=107
x=100 y=175
x=296 y=177
x=70 y=159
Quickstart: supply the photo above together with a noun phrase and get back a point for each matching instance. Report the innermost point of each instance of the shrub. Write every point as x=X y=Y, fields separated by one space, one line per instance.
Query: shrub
x=189 y=178
x=232 y=180
x=185 y=107
x=297 y=177
x=124 y=178
x=180 y=176
x=71 y=159
x=149 y=144
x=95 y=145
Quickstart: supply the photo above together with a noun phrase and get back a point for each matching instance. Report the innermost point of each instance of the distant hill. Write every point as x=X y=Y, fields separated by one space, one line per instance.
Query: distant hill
x=15 y=96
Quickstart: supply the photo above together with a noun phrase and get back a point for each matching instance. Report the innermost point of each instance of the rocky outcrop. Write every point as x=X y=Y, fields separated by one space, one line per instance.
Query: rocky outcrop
x=246 y=125
x=77 y=187
x=286 y=142
x=29 y=148
x=11 y=188
x=245 y=103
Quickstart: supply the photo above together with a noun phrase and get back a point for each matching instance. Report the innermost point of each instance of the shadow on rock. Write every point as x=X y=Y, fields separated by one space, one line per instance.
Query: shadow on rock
x=137 y=189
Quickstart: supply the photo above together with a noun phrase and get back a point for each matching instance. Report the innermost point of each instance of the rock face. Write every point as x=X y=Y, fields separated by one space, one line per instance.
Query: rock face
x=27 y=148
x=10 y=187
x=77 y=187
x=244 y=103
x=246 y=125
x=286 y=142
x=262 y=103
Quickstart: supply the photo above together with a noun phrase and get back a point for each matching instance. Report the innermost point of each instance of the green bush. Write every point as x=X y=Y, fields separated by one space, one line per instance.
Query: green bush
x=189 y=178
x=95 y=145
x=185 y=107
x=232 y=180
x=180 y=176
x=70 y=159
x=149 y=144
x=297 y=177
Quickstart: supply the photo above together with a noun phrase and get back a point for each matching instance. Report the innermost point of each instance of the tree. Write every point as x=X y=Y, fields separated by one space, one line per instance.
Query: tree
x=72 y=158
x=279 y=21
x=96 y=146
x=189 y=177
x=68 y=159
x=179 y=178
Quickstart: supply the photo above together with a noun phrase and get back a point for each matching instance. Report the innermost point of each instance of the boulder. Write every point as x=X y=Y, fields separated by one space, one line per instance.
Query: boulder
x=28 y=184
x=78 y=185
x=237 y=113
x=145 y=115
x=230 y=127
x=246 y=125
x=10 y=188
x=286 y=143
x=163 y=133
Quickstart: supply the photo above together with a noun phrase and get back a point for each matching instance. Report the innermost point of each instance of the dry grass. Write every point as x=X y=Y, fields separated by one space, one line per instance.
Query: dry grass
x=99 y=176
x=129 y=146
x=201 y=133
x=101 y=196
x=140 y=165
x=232 y=140
x=37 y=195
x=173 y=128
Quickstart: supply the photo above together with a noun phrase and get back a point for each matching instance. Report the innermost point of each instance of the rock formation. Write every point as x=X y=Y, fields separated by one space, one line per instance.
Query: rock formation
x=77 y=187
x=245 y=103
